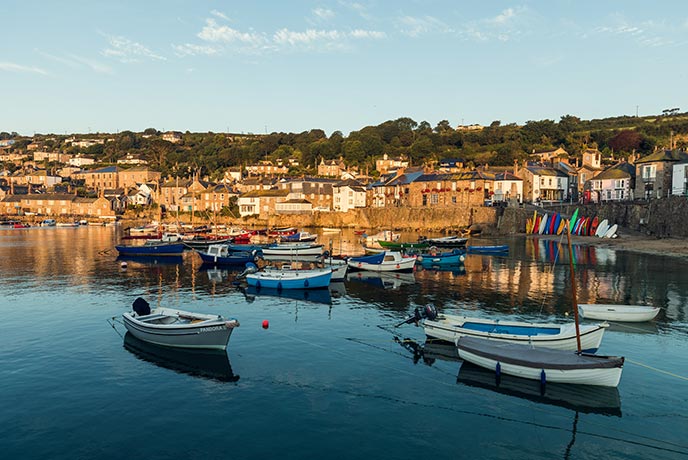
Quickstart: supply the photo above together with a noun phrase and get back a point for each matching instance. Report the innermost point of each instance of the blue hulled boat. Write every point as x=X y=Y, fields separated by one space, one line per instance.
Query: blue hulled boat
x=221 y=254
x=431 y=259
x=501 y=249
x=152 y=248
x=288 y=278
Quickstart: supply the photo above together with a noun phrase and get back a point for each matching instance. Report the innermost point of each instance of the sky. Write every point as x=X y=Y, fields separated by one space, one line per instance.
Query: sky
x=80 y=66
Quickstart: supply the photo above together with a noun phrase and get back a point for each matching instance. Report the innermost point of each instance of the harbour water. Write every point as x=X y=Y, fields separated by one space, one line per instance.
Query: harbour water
x=331 y=377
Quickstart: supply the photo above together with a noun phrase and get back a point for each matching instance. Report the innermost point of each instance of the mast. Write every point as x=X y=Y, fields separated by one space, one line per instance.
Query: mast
x=573 y=287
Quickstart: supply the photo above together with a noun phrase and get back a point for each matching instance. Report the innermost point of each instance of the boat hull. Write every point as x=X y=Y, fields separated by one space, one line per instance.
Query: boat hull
x=290 y=279
x=235 y=259
x=296 y=250
x=159 y=250
x=449 y=328
x=205 y=335
x=558 y=366
x=621 y=313
x=404 y=265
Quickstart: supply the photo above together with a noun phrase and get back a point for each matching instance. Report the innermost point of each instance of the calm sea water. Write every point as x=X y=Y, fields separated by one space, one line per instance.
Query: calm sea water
x=331 y=377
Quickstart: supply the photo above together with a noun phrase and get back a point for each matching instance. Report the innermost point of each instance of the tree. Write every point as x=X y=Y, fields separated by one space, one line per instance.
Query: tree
x=626 y=141
x=443 y=127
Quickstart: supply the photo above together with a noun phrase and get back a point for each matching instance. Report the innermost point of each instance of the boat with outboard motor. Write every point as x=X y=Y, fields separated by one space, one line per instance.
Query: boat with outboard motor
x=387 y=261
x=177 y=328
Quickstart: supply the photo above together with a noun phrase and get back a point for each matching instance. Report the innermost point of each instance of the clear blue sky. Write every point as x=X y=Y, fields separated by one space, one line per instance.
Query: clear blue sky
x=201 y=65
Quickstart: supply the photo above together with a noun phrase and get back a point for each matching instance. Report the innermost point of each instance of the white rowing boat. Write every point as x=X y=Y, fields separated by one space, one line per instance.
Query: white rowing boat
x=624 y=313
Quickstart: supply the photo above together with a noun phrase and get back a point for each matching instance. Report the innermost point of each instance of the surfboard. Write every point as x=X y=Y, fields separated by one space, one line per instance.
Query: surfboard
x=528 y=224
x=536 y=224
x=611 y=232
x=574 y=217
x=593 y=228
x=563 y=223
x=542 y=224
x=576 y=226
x=602 y=228
x=553 y=224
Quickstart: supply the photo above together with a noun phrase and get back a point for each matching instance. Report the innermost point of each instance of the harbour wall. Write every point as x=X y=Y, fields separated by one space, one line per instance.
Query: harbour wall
x=663 y=218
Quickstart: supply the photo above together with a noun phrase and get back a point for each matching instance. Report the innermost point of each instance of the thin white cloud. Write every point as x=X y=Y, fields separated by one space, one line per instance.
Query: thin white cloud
x=374 y=34
x=646 y=33
x=417 y=26
x=12 y=67
x=213 y=32
x=358 y=8
x=219 y=14
x=76 y=62
x=506 y=25
x=286 y=36
x=323 y=13
x=125 y=50
x=189 y=49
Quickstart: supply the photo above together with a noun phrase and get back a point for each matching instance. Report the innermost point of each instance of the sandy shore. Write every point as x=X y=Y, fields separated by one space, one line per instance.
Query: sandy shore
x=673 y=247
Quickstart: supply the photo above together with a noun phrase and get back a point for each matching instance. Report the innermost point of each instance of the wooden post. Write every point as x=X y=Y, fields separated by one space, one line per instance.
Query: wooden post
x=573 y=288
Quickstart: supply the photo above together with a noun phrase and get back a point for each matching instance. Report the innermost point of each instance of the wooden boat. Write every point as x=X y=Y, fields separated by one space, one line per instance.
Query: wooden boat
x=445 y=242
x=288 y=250
x=542 y=364
x=177 y=328
x=435 y=258
x=388 y=261
x=549 y=335
x=499 y=249
x=339 y=268
x=210 y=364
x=624 y=313
x=152 y=248
x=219 y=254
x=287 y=278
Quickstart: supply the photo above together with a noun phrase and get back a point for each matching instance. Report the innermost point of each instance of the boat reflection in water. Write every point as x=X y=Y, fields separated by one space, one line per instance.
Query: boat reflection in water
x=152 y=260
x=309 y=295
x=585 y=399
x=210 y=364
x=457 y=269
x=381 y=279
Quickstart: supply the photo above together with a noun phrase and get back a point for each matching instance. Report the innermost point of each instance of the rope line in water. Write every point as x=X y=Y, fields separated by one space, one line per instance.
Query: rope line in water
x=637 y=363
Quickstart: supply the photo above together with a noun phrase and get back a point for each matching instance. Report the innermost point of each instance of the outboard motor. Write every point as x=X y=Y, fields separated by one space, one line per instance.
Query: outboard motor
x=430 y=312
x=141 y=307
x=250 y=268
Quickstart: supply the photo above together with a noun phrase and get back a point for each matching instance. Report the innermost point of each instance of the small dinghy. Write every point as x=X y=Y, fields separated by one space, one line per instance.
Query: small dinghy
x=176 y=328
x=624 y=313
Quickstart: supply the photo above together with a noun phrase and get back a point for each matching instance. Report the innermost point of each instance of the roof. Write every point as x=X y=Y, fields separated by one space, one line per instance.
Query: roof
x=405 y=178
x=107 y=169
x=612 y=173
x=664 y=155
x=506 y=176
x=545 y=171
x=266 y=193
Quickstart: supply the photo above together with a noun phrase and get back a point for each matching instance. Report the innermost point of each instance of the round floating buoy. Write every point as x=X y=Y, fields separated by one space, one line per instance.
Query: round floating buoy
x=305 y=283
x=266 y=324
x=360 y=265
x=123 y=265
x=398 y=266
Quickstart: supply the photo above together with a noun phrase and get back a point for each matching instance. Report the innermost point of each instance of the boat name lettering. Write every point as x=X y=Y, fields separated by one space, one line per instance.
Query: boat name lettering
x=212 y=328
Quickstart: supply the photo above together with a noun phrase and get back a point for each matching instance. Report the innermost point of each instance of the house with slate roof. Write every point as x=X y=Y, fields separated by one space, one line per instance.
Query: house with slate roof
x=613 y=184
x=654 y=173
x=347 y=195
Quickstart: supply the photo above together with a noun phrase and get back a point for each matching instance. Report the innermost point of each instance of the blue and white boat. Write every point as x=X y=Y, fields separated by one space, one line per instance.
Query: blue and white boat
x=152 y=248
x=449 y=328
x=298 y=237
x=432 y=259
x=220 y=254
x=286 y=277
x=388 y=261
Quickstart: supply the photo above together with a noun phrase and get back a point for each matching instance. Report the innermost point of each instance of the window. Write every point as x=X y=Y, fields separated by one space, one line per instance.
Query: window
x=454 y=199
x=434 y=198
x=649 y=172
x=619 y=183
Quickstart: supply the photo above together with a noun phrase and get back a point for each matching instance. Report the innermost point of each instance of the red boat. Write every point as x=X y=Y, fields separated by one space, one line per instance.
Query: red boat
x=284 y=231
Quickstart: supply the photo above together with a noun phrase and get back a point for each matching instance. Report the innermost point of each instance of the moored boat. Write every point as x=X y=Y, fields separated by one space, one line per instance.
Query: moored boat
x=445 y=242
x=220 y=254
x=387 y=261
x=436 y=258
x=152 y=248
x=293 y=249
x=622 y=313
x=548 y=335
x=177 y=328
x=546 y=365
x=287 y=278
x=498 y=249
x=396 y=245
